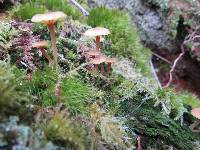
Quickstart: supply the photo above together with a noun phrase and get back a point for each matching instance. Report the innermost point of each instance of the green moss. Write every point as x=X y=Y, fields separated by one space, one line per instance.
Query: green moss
x=155 y=127
x=189 y=99
x=42 y=85
x=10 y=93
x=27 y=9
x=75 y=95
x=63 y=131
x=124 y=37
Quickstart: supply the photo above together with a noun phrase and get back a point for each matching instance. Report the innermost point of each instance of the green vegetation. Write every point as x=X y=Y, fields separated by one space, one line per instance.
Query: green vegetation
x=27 y=9
x=10 y=93
x=62 y=130
x=81 y=110
x=6 y=33
x=124 y=37
x=76 y=94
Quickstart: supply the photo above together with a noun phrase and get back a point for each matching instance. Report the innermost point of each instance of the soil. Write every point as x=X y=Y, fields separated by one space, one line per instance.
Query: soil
x=186 y=75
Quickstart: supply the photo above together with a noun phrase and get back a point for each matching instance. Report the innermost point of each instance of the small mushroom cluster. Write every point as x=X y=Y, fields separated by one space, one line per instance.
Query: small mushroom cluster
x=49 y=19
x=97 y=58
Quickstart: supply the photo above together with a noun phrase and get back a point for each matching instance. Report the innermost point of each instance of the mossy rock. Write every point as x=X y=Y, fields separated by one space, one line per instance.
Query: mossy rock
x=157 y=130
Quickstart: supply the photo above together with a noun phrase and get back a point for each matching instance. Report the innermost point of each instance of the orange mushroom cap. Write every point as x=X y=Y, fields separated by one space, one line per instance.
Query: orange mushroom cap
x=110 y=60
x=40 y=44
x=93 y=53
x=196 y=112
x=98 y=31
x=49 y=18
x=98 y=60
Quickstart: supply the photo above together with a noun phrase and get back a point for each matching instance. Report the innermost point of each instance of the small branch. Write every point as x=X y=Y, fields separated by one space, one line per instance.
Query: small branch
x=162 y=58
x=155 y=74
x=84 y=12
x=173 y=68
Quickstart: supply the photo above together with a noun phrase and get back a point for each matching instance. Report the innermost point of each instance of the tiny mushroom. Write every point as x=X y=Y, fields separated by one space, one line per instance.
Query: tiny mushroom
x=97 y=61
x=109 y=61
x=196 y=113
x=49 y=19
x=93 y=54
x=41 y=45
x=97 y=32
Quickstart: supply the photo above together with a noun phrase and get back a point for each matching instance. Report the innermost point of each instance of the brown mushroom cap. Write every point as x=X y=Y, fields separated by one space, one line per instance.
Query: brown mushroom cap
x=110 y=60
x=40 y=44
x=49 y=18
x=93 y=53
x=196 y=112
x=98 y=60
x=98 y=31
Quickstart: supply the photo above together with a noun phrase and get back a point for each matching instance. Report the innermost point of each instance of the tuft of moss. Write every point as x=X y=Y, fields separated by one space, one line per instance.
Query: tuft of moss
x=156 y=128
x=10 y=93
x=42 y=84
x=27 y=9
x=64 y=132
x=75 y=95
x=124 y=37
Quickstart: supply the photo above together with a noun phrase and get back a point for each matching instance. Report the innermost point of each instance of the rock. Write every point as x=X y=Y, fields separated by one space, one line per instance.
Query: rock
x=151 y=23
x=21 y=137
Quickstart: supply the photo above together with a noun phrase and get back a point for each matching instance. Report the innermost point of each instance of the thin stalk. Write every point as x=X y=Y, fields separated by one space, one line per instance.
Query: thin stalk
x=102 y=69
x=45 y=54
x=98 y=43
x=96 y=68
x=53 y=44
x=109 y=68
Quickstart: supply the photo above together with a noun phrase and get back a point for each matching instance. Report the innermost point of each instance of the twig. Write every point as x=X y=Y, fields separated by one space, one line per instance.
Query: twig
x=173 y=68
x=155 y=74
x=162 y=58
x=75 y=3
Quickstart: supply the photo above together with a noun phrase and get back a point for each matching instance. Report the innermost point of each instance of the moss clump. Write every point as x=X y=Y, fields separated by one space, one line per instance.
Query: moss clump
x=10 y=93
x=124 y=37
x=27 y=9
x=42 y=85
x=156 y=128
x=75 y=95
x=64 y=132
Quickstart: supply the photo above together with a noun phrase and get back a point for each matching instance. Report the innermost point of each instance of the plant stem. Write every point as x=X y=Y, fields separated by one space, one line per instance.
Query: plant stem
x=109 y=68
x=96 y=68
x=102 y=69
x=45 y=54
x=53 y=44
x=98 y=43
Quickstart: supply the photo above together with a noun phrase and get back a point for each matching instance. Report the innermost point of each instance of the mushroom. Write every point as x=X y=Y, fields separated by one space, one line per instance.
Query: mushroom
x=93 y=54
x=49 y=19
x=96 y=61
x=109 y=61
x=196 y=113
x=41 y=45
x=97 y=32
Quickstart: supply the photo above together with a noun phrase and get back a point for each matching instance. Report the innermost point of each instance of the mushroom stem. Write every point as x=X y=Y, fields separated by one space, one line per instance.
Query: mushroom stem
x=98 y=43
x=109 y=68
x=196 y=123
x=139 y=143
x=45 y=54
x=53 y=43
x=102 y=69
x=96 y=68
